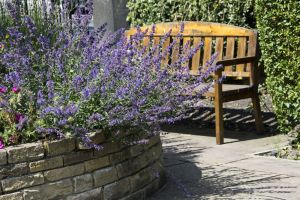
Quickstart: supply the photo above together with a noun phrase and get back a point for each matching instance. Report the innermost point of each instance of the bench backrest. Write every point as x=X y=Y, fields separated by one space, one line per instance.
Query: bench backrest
x=227 y=40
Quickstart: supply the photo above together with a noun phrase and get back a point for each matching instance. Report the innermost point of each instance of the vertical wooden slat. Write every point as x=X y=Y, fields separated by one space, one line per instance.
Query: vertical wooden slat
x=175 y=49
x=185 y=51
x=146 y=43
x=156 y=45
x=241 y=52
x=196 y=57
x=207 y=50
x=229 y=51
x=219 y=47
x=251 y=67
x=165 y=46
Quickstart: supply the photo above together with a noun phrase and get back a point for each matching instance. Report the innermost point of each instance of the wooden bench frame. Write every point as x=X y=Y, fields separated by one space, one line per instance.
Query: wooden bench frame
x=240 y=51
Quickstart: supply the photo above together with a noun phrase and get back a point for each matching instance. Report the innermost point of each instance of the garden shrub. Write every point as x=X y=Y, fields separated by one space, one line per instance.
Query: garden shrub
x=278 y=24
x=73 y=81
x=240 y=13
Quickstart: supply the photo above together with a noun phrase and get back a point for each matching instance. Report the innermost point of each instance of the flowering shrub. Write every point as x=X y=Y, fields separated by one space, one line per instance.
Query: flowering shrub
x=71 y=81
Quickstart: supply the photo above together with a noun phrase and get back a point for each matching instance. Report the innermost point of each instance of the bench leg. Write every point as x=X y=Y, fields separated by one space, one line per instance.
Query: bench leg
x=257 y=113
x=219 y=120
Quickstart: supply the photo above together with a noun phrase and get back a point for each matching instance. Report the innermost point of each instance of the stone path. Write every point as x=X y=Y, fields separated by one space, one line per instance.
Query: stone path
x=199 y=169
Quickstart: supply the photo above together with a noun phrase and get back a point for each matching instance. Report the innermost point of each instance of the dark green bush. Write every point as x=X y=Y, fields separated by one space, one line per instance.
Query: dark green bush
x=235 y=12
x=278 y=24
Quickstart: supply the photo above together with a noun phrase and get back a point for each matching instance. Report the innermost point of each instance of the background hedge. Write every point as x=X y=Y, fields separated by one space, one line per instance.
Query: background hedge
x=142 y=12
x=278 y=23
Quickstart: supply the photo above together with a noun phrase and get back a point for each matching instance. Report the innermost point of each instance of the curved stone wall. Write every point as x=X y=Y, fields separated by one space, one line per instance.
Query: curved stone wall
x=64 y=170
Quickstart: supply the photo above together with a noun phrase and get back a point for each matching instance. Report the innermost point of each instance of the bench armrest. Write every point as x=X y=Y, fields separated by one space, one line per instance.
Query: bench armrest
x=236 y=61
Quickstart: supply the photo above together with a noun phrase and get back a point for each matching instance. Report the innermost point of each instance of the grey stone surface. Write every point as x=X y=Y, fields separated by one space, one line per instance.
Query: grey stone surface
x=139 y=195
x=140 y=179
x=77 y=157
x=105 y=176
x=12 y=196
x=94 y=194
x=108 y=148
x=65 y=172
x=17 y=183
x=13 y=170
x=46 y=164
x=83 y=183
x=52 y=190
x=116 y=190
x=197 y=168
x=120 y=156
x=3 y=157
x=112 y=12
x=98 y=163
x=25 y=152
x=58 y=147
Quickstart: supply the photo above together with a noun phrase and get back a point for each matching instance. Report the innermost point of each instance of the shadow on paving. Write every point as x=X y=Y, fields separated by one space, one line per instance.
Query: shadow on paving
x=190 y=180
x=239 y=124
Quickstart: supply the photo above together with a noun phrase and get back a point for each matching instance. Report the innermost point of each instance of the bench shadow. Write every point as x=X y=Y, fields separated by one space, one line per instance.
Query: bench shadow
x=239 y=124
x=188 y=179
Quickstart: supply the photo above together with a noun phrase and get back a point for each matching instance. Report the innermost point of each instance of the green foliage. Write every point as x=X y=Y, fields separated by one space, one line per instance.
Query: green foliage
x=142 y=12
x=278 y=23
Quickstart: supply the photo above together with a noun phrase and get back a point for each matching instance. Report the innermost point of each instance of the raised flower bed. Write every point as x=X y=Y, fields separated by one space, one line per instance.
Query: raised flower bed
x=63 y=170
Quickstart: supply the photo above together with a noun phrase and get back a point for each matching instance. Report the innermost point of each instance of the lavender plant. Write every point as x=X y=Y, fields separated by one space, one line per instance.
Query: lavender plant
x=71 y=82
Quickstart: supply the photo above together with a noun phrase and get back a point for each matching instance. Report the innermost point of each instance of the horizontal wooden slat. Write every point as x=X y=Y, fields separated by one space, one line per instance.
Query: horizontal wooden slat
x=236 y=61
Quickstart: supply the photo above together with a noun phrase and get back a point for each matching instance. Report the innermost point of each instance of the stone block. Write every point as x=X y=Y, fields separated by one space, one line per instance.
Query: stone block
x=108 y=148
x=83 y=183
x=17 y=183
x=46 y=164
x=76 y=157
x=116 y=190
x=65 y=172
x=139 y=195
x=98 y=163
x=94 y=194
x=153 y=141
x=125 y=169
x=13 y=170
x=152 y=187
x=96 y=137
x=154 y=153
x=12 y=196
x=105 y=176
x=136 y=150
x=120 y=156
x=53 y=190
x=25 y=152
x=58 y=147
x=140 y=179
x=3 y=157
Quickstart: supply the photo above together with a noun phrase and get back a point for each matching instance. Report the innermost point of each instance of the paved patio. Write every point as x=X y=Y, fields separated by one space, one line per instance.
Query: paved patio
x=199 y=169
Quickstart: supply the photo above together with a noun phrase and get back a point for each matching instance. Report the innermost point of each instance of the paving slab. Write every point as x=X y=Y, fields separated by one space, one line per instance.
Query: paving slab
x=199 y=169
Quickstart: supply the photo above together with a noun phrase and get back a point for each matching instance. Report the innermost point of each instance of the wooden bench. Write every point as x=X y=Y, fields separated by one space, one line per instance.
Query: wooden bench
x=237 y=52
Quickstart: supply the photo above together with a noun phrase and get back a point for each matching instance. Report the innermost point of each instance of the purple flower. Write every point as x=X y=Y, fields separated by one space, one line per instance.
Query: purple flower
x=70 y=110
x=2 y=145
x=16 y=90
x=3 y=89
x=19 y=117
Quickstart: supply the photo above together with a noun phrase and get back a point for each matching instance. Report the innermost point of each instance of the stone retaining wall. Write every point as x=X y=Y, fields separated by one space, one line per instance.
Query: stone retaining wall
x=64 y=170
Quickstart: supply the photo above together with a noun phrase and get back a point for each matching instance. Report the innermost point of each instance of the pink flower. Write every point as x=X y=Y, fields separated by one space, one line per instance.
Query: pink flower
x=1 y=143
x=16 y=90
x=19 y=117
x=3 y=89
